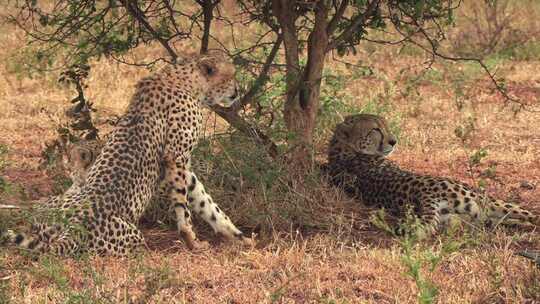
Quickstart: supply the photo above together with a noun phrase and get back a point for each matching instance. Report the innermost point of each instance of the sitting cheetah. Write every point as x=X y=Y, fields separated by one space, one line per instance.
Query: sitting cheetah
x=149 y=148
x=357 y=163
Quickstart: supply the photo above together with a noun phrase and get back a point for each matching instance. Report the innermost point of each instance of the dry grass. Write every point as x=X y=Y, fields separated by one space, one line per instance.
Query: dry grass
x=315 y=245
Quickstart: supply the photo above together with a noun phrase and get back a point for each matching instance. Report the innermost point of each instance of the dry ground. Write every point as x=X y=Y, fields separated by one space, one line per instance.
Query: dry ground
x=342 y=264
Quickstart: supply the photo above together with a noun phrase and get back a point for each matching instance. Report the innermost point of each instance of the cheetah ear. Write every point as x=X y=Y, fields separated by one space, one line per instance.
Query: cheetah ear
x=207 y=65
x=342 y=133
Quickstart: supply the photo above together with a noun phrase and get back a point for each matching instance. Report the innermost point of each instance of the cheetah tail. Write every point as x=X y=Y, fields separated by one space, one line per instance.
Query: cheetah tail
x=22 y=240
x=508 y=213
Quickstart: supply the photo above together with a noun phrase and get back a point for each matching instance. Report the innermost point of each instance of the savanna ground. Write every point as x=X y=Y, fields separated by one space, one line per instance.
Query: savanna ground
x=314 y=244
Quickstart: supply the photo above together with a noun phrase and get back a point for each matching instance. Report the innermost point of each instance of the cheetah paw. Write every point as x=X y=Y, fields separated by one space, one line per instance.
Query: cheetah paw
x=248 y=241
x=196 y=245
x=199 y=245
x=189 y=238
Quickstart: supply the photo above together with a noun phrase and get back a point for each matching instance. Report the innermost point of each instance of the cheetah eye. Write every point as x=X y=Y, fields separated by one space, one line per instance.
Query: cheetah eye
x=376 y=130
x=209 y=70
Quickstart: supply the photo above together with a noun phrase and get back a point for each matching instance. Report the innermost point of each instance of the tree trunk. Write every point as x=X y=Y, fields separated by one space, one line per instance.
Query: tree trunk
x=208 y=15
x=303 y=87
x=284 y=10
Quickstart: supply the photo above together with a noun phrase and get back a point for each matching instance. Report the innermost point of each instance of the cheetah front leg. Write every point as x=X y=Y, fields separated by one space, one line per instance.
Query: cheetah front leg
x=432 y=215
x=203 y=205
x=175 y=183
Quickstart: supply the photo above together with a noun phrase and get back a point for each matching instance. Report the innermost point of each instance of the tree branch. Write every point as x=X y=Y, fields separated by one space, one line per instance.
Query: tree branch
x=357 y=22
x=234 y=119
x=231 y=114
x=133 y=9
x=285 y=13
x=434 y=51
x=243 y=126
x=262 y=78
x=208 y=14
x=332 y=24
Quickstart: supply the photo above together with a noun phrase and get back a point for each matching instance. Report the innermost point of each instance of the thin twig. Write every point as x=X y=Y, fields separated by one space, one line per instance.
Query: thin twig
x=358 y=22
x=263 y=76
x=133 y=9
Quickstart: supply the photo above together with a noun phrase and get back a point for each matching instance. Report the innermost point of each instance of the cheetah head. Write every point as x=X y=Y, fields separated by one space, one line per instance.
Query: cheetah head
x=362 y=134
x=222 y=88
x=78 y=159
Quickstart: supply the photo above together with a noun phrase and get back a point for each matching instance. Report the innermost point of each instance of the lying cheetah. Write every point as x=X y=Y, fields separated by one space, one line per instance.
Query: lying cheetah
x=149 y=148
x=357 y=163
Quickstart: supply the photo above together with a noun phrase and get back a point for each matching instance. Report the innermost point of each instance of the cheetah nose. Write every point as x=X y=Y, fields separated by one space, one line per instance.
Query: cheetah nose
x=392 y=142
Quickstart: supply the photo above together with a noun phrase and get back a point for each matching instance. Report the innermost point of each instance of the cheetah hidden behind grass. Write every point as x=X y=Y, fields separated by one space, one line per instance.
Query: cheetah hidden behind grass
x=357 y=162
x=149 y=149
